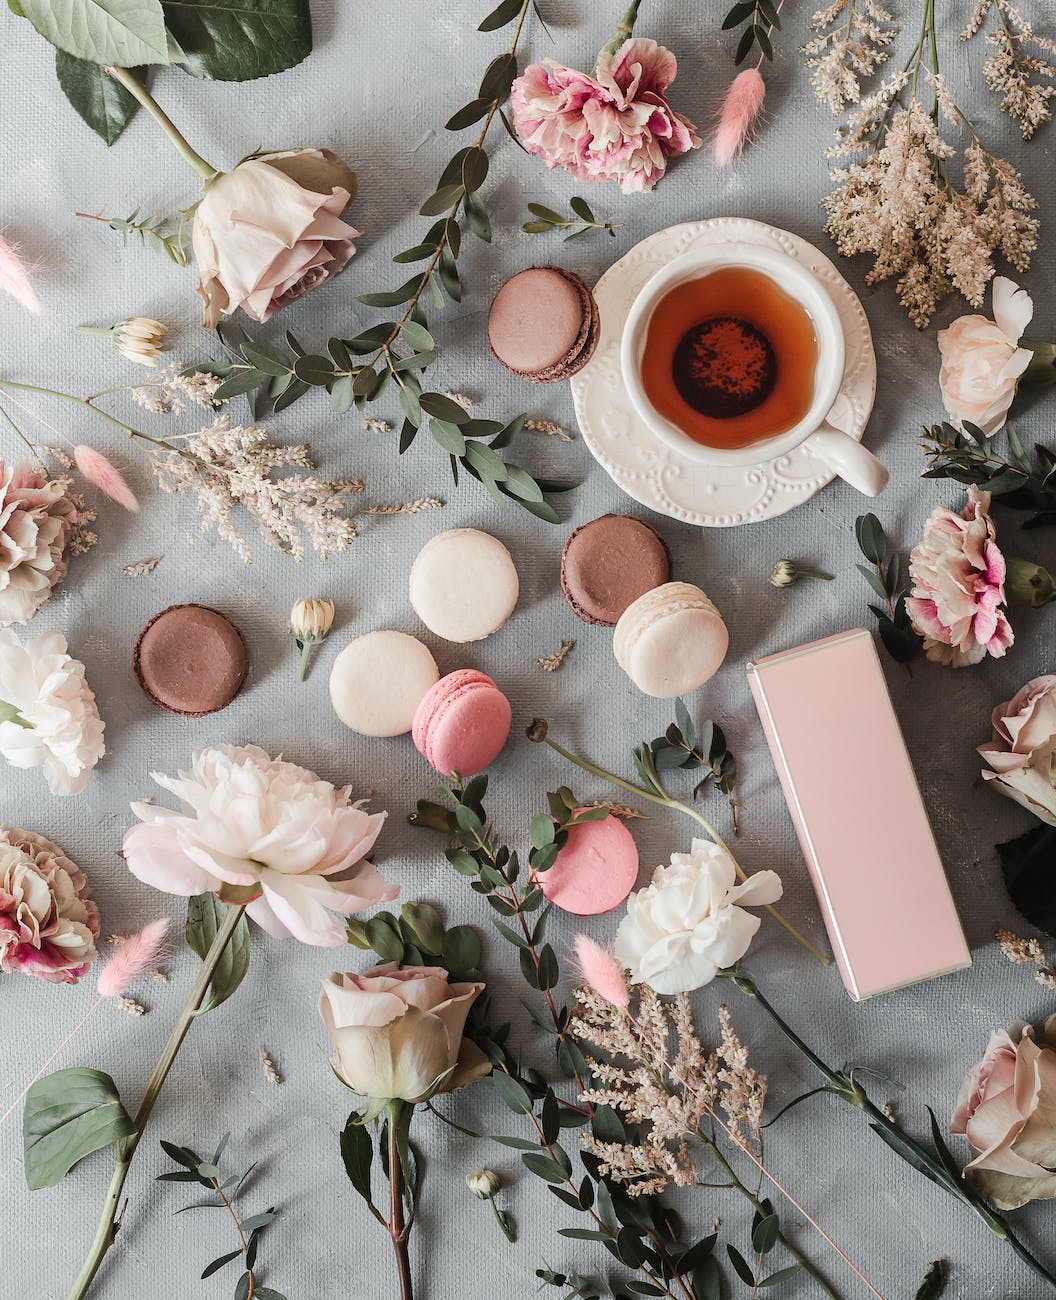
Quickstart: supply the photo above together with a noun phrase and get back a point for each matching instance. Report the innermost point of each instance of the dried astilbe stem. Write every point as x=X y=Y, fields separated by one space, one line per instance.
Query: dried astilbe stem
x=1021 y=64
x=267 y=1065
x=550 y=428
x=404 y=507
x=552 y=662
x=1023 y=952
x=621 y=810
x=850 y=42
x=141 y=567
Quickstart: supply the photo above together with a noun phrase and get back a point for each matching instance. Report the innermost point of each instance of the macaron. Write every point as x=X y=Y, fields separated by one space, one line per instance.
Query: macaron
x=544 y=324
x=609 y=563
x=671 y=640
x=190 y=660
x=595 y=870
x=463 y=585
x=378 y=681
x=462 y=723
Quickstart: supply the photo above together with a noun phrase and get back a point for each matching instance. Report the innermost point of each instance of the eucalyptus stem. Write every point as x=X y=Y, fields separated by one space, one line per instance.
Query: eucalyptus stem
x=138 y=91
x=665 y=801
x=110 y=1219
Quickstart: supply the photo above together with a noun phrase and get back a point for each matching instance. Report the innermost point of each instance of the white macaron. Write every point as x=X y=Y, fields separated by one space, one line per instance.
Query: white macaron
x=378 y=681
x=670 y=640
x=463 y=585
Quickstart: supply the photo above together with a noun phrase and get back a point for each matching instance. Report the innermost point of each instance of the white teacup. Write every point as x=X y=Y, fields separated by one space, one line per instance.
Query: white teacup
x=842 y=453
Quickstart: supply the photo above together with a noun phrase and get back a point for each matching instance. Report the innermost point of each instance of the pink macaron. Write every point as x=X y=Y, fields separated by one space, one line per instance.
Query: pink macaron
x=595 y=870
x=462 y=723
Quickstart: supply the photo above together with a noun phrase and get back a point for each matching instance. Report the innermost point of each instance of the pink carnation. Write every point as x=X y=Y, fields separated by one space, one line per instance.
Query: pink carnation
x=615 y=126
x=48 y=923
x=958 y=575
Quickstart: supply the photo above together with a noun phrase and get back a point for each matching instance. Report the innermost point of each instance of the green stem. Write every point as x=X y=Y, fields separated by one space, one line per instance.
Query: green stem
x=8 y=713
x=71 y=397
x=398 y=1227
x=665 y=801
x=501 y=1220
x=306 y=653
x=138 y=91
x=109 y=1221
x=624 y=29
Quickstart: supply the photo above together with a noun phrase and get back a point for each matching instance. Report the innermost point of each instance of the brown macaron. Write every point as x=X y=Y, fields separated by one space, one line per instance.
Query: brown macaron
x=544 y=324
x=607 y=564
x=190 y=660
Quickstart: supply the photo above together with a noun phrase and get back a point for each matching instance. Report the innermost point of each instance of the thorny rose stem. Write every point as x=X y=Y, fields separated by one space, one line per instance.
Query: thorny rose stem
x=110 y=1219
x=665 y=801
x=848 y=1089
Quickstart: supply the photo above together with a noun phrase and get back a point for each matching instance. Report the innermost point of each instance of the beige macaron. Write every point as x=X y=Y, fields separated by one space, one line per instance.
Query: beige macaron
x=671 y=640
x=378 y=681
x=463 y=585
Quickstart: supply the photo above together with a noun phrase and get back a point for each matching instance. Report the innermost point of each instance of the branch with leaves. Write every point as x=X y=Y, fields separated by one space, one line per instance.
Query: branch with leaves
x=884 y=576
x=581 y=222
x=760 y=19
x=224 y=1190
x=1019 y=479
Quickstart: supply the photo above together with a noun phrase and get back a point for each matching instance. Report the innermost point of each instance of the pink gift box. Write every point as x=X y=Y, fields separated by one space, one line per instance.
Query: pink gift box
x=858 y=812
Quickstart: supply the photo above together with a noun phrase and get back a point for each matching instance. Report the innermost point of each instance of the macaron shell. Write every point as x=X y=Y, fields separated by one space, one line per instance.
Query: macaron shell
x=595 y=870
x=608 y=563
x=462 y=723
x=463 y=585
x=544 y=324
x=671 y=640
x=378 y=681
x=190 y=660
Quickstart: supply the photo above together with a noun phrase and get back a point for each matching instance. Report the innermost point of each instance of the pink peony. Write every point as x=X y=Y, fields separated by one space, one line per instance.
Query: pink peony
x=1007 y=1111
x=958 y=575
x=48 y=923
x=37 y=518
x=616 y=126
x=263 y=830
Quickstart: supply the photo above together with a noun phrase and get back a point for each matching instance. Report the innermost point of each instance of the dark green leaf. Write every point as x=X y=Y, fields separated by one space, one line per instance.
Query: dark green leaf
x=182 y=1155
x=242 y=381
x=205 y=915
x=444 y=408
x=707 y=1280
x=512 y=1093
x=740 y=1265
x=765 y=1234
x=782 y=1275
x=1028 y=864
x=67 y=1116
x=242 y=1287
x=518 y=1144
x=508 y=434
x=219 y=1263
x=442 y=201
x=581 y=208
x=934 y=1283
x=384 y=939
x=101 y=101
x=393 y=297
x=468 y=114
x=548 y=970
x=474 y=170
x=240 y=40
x=498 y=78
x=585 y=1234
x=762 y=36
x=744 y=45
x=744 y=9
x=542 y=830
x=371 y=339
x=502 y=14
x=477 y=217
x=871 y=540
x=462 y=950
x=874 y=580
x=519 y=483
x=545 y=1167
x=508 y=932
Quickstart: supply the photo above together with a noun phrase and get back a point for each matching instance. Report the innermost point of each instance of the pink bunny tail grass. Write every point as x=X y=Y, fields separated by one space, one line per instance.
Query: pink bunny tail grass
x=601 y=972
x=14 y=277
x=104 y=475
x=739 y=116
x=133 y=958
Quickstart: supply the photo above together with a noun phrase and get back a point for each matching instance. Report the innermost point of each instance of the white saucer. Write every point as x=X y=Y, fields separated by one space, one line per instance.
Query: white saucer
x=669 y=481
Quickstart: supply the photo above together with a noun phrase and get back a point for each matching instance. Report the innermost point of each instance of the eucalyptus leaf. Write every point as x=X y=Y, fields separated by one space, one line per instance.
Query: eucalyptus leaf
x=934 y=1283
x=205 y=915
x=67 y=1116
x=119 y=33
x=240 y=40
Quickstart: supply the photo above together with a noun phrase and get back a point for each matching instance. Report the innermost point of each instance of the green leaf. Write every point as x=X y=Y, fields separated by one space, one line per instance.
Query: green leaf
x=508 y=434
x=512 y=1093
x=547 y=971
x=740 y=1265
x=462 y=949
x=934 y=1283
x=442 y=201
x=542 y=830
x=467 y=114
x=122 y=33
x=240 y=40
x=545 y=1167
x=205 y=915
x=782 y=1275
x=500 y=16
x=384 y=939
x=474 y=170
x=444 y=408
x=1028 y=864
x=423 y=927
x=242 y=381
x=101 y=101
x=765 y=1234
x=417 y=337
x=871 y=540
x=874 y=580
x=477 y=217
x=447 y=435
x=581 y=208
x=707 y=1280
x=219 y=1263
x=67 y=1116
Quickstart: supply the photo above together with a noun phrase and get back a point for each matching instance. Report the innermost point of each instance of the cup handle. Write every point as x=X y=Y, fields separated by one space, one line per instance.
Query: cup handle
x=851 y=461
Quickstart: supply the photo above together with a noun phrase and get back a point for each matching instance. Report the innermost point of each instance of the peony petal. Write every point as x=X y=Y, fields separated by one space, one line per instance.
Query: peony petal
x=1013 y=308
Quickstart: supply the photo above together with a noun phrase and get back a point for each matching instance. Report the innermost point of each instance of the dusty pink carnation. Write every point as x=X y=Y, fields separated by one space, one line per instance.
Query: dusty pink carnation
x=614 y=126
x=48 y=923
x=36 y=520
x=958 y=575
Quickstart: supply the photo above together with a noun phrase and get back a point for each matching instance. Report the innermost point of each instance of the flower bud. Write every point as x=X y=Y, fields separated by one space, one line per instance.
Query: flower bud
x=1027 y=583
x=483 y=1184
x=139 y=339
x=783 y=574
x=311 y=620
x=537 y=730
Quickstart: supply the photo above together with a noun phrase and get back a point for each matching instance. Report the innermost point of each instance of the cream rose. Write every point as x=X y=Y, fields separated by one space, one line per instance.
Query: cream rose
x=1022 y=752
x=397 y=1032
x=270 y=231
x=982 y=361
x=1007 y=1111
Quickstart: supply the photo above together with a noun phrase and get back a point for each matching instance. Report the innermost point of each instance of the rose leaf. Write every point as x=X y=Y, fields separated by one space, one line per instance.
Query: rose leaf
x=240 y=40
x=101 y=101
x=68 y=1115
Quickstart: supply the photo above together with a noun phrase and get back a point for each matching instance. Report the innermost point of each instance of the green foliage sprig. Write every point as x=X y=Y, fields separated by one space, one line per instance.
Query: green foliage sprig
x=760 y=19
x=393 y=355
x=682 y=746
x=1026 y=865
x=581 y=222
x=151 y=231
x=897 y=633
x=1019 y=479
x=224 y=1190
x=224 y=41
x=934 y=1283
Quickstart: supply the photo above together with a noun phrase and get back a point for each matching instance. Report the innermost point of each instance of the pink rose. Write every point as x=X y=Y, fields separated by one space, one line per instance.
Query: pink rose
x=958 y=575
x=1022 y=752
x=397 y=1031
x=616 y=126
x=1007 y=1111
x=270 y=231
x=982 y=361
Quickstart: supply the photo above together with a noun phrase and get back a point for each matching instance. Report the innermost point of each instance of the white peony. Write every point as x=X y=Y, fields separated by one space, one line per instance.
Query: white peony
x=982 y=360
x=266 y=831
x=680 y=930
x=51 y=719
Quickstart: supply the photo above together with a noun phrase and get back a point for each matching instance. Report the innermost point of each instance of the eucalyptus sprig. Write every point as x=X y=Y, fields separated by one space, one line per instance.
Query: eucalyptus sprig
x=682 y=746
x=1019 y=479
x=760 y=19
x=937 y=1164
x=151 y=231
x=393 y=355
x=897 y=633
x=224 y=1190
x=581 y=222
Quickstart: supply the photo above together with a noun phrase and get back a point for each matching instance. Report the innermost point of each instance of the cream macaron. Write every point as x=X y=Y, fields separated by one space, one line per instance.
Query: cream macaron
x=378 y=681
x=670 y=640
x=463 y=585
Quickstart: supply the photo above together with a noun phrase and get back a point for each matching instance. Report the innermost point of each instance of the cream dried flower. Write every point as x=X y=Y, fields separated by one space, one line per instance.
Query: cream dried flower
x=310 y=624
x=49 y=926
x=38 y=521
x=174 y=387
x=139 y=339
x=1021 y=65
x=49 y=716
x=851 y=41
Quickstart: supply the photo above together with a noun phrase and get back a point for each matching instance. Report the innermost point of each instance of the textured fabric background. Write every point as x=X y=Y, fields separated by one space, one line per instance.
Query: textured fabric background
x=380 y=84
